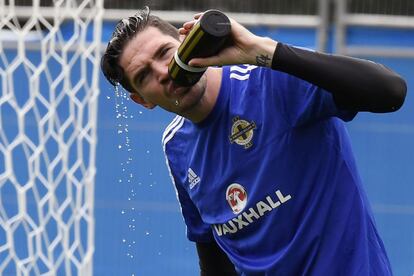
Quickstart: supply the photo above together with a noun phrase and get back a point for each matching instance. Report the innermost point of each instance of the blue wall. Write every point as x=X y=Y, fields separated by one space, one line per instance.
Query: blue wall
x=383 y=146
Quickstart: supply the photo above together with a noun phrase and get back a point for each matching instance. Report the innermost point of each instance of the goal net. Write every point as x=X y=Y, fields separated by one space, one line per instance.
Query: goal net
x=49 y=68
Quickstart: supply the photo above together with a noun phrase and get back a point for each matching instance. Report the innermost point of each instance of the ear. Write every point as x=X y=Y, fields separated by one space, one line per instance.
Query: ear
x=140 y=100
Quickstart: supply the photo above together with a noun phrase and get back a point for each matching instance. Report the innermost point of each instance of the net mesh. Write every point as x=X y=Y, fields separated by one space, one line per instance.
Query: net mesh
x=49 y=64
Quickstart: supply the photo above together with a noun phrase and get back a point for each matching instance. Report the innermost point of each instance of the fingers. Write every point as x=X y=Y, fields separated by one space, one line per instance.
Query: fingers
x=204 y=62
x=187 y=26
x=197 y=62
x=183 y=31
x=198 y=15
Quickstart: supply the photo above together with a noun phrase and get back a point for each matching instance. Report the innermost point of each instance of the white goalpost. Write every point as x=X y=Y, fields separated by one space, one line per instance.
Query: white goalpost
x=49 y=70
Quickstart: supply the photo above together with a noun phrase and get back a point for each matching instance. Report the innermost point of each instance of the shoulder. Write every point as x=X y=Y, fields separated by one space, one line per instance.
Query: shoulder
x=171 y=130
x=251 y=75
x=251 y=80
x=172 y=145
x=241 y=72
x=176 y=144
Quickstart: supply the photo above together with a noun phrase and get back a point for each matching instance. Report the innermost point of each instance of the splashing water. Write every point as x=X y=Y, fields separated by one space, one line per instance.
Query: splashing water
x=121 y=109
x=130 y=179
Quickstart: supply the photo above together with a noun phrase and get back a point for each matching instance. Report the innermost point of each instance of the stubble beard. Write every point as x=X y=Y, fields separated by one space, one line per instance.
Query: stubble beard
x=193 y=99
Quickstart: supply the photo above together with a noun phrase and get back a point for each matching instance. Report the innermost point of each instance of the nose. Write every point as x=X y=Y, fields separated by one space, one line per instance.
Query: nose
x=161 y=72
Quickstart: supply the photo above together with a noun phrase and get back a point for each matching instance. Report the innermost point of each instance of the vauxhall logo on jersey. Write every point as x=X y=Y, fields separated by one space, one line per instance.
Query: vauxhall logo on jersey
x=242 y=132
x=236 y=196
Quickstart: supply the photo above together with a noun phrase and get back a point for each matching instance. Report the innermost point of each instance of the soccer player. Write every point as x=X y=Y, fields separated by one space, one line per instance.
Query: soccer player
x=258 y=152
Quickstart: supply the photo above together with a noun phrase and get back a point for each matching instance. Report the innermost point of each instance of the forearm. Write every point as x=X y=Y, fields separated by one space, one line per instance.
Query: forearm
x=262 y=51
x=356 y=84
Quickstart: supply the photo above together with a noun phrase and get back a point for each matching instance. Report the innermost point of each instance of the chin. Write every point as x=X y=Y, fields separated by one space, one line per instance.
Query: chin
x=193 y=98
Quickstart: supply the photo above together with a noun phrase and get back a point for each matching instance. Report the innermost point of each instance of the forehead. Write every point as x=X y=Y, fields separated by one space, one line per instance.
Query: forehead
x=141 y=47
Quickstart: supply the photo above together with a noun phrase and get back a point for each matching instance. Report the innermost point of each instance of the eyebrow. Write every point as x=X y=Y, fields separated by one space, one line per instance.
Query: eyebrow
x=156 y=54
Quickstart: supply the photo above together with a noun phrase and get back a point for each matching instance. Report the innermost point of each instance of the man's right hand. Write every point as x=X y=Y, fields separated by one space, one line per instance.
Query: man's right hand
x=244 y=48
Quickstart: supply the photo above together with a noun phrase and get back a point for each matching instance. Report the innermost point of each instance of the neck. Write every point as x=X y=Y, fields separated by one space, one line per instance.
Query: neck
x=203 y=108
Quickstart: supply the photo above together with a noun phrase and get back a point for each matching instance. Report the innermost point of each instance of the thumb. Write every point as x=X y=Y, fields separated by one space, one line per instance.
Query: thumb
x=205 y=62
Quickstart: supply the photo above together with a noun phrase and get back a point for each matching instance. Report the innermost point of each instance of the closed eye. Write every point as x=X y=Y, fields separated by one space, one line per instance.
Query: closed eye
x=161 y=52
x=164 y=51
x=141 y=77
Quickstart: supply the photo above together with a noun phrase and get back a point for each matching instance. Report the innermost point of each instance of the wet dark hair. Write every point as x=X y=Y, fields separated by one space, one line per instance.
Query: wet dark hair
x=124 y=32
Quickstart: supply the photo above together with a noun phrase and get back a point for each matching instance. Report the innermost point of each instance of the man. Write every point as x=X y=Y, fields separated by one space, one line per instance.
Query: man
x=258 y=153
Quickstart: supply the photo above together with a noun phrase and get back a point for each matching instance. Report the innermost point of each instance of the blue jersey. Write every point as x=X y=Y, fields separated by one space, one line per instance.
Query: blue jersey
x=270 y=175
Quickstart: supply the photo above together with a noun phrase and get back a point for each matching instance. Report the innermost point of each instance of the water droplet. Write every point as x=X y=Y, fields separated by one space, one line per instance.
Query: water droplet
x=122 y=212
x=108 y=97
x=119 y=146
x=147 y=233
x=124 y=240
x=140 y=112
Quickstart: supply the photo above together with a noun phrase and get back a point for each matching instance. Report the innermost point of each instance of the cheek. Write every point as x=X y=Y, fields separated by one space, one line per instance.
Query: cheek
x=154 y=93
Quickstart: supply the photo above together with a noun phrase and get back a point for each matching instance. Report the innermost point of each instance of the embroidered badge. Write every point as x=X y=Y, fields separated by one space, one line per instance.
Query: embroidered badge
x=236 y=196
x=242 y=132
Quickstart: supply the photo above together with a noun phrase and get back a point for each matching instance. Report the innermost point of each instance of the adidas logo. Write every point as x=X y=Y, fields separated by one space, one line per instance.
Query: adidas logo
x=193 y=178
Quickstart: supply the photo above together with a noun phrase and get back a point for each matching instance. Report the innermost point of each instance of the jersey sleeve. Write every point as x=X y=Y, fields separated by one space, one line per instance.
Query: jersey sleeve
x=301 y=102
x=197 y=230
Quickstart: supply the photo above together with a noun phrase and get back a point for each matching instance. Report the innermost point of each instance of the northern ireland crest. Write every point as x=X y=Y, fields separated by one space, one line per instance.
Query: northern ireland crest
x=242 y=132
